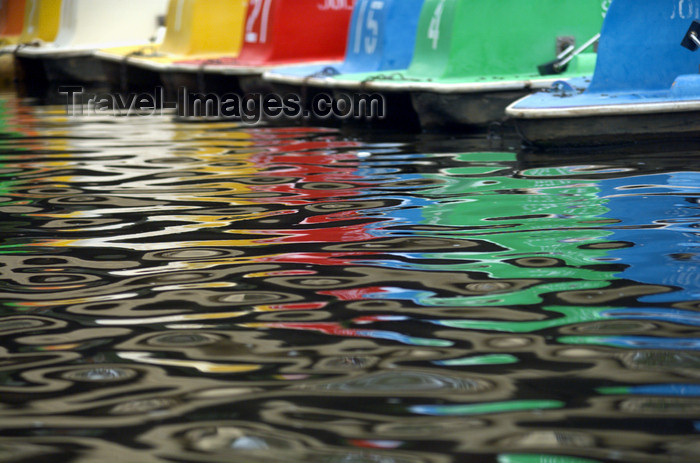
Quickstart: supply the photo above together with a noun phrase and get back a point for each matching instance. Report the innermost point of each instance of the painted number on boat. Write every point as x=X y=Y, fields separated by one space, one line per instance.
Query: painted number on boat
x=686 y=9
x=256 y=26
x=368 y=26
x=605 y=5
x=336 y=5
x=434 y=28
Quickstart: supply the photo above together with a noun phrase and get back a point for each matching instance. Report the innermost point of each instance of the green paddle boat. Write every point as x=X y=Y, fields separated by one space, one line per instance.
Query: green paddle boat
x=474 y=57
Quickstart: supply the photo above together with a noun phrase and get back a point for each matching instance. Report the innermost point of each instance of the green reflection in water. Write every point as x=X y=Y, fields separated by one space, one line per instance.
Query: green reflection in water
x=485 y=408
x=491 y=359
x=540 y=223
x=487 y=157
x=571 y=315
x=540 y=458
x=527 y=296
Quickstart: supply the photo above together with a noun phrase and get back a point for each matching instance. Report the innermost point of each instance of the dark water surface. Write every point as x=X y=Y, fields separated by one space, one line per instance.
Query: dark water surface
x=201 y=292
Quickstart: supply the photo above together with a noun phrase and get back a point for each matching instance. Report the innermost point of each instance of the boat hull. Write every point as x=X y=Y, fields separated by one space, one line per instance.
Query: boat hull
x=254 y=83
x=453 y=110
x=81 y=70
x=399 y=112
x=41 y=76
x=306 y=94
x=123 y=77
x=179 y=82
x=609 y=129
x=31 y=77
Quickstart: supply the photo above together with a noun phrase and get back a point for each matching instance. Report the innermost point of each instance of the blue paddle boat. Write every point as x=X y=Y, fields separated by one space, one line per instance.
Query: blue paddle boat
x=645 y=85
x=381 y=37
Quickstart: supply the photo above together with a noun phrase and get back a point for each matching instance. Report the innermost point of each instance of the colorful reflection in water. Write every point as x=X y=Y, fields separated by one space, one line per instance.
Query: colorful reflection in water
x=209 y=292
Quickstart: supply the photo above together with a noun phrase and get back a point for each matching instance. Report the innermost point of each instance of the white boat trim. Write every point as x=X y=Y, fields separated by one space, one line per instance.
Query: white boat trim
x=272 y=76
x=9 y=49
x=169 y=66
x=15 y=47
x=397 y=85
x=55 y=53
x=107 y=56
x=223 y=69
x=233 y=69
x=325 y=81
x=144 y=62
x=629 y=109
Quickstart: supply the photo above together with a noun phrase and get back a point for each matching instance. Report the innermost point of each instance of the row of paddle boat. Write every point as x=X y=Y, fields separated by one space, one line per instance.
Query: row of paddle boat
x=566 y=71
x=437 y=63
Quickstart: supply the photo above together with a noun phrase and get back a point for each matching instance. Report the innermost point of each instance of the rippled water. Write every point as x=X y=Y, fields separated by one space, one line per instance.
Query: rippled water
x=178 y=292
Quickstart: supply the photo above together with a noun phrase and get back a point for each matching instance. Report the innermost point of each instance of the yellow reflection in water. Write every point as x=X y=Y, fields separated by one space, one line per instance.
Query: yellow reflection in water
x=204 y=367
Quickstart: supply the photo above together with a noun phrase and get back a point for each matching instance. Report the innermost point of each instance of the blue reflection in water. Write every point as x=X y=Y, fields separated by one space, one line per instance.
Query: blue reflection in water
x=662 y=214
x=636 y=342
x=682 y=317
x=673 y=390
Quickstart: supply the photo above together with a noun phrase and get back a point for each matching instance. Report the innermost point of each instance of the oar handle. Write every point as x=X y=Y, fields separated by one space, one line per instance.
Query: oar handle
x=694 y=38
x=691 y=41
x=577 y=52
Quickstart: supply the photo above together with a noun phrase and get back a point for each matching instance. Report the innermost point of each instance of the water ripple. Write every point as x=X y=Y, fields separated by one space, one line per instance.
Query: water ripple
x=214 y=292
